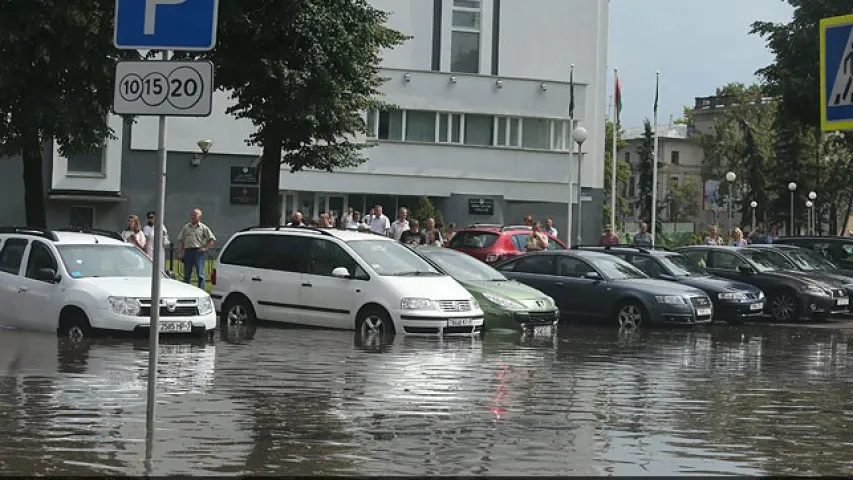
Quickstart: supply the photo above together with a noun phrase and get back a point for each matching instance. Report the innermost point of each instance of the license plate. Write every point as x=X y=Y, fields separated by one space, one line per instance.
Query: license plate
x=757 y=306
x=703 y=312
x=843 y=301
x=175 y=327
x=460 y=322
x=542 y=331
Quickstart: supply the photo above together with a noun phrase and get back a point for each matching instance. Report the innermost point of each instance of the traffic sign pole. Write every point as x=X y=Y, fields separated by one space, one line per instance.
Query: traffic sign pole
x=156 y=275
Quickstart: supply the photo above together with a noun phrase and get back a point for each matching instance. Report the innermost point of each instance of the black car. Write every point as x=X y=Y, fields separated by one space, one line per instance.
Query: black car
x=810 y=264
x=598 y=285
x=838 y=250
x=790 y=295
x=734 y=301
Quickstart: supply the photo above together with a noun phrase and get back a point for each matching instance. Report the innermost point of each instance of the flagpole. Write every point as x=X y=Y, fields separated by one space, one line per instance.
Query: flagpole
x=571 y=152
x=655 y=162
x=613 y=159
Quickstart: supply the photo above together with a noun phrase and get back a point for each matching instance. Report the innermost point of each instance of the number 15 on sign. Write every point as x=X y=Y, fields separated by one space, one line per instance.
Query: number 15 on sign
x=177 y=89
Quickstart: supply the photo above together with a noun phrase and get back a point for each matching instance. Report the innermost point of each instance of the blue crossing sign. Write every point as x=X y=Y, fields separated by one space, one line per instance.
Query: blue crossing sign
x=836 y=73
x=166 y=24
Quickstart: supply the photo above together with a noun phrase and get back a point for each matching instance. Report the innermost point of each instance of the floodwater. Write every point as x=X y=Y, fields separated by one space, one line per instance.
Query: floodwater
x=722 y=400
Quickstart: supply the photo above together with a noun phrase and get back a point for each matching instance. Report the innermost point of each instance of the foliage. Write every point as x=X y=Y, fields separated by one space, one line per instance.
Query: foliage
x=303 y=72
x=56 y=81
x=426 y=209
x=683 y=200
x=623 y=176
x=646 y=152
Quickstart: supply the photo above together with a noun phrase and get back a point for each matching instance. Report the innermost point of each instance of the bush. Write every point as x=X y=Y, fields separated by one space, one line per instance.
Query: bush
x=426 y=209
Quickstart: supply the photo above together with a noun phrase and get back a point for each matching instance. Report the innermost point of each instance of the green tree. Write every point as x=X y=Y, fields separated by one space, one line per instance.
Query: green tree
x=303 y=72
x=683 y=200
x=426 y=209
x=645 y=150
x=56 y=82
x=623 y=175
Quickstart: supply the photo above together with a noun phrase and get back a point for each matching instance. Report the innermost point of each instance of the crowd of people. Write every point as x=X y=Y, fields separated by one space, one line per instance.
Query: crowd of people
x=737 y=239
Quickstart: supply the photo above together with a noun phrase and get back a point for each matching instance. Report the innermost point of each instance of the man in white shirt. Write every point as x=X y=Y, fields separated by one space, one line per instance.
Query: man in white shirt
x=353 y=221
x=401 y=224
x=378 y=222
x=549 y=228
x=148 y=231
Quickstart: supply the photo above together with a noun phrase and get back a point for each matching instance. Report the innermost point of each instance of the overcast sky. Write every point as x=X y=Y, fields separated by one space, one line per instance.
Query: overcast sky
x=697 y=45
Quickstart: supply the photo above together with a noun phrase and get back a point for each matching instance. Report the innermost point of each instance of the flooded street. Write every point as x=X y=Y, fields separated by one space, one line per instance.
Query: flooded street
x=734 y=400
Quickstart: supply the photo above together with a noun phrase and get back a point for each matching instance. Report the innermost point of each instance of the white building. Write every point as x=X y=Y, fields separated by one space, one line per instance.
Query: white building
x=483 y=92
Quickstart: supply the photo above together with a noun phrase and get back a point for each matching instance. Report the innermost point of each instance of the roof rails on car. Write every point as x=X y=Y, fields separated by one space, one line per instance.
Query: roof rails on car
x=516 y=227
x=94 y=231
x=608 y=247
x=484 y=225
x=31 y=231
x=321 y=231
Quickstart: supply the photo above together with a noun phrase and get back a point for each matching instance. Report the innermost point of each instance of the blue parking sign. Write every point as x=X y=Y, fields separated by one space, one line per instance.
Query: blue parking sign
x=836 y=73
x=166 y=24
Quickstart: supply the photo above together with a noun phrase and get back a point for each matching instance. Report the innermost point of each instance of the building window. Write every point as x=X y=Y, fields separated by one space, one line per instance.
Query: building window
x=391 y=125
x=86 y=163
x=371 y=123
x=536 y=133
x=465 y=36
x=508 y=131
x=450 y=128
x=81 y=217
x=478 y=130
x=627 y=157
x=560 y=136
x=673 y=156
x=420 y=126
x=632 y=187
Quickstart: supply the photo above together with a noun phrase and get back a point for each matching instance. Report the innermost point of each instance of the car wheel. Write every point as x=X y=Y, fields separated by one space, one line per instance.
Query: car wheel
x=374 y=322
x=630 y=314
x=784 y=307
x=238 y=311
x=75 y=327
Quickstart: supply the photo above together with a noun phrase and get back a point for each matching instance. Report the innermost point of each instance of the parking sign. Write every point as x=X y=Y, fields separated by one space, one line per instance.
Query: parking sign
x=166 y=24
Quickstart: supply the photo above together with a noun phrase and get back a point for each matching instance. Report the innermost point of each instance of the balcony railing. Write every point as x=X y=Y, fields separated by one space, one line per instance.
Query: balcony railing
x=715 y=102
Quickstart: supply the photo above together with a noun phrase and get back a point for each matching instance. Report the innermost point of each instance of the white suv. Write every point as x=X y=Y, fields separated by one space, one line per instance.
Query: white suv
x=338 y=279
x=78 y=283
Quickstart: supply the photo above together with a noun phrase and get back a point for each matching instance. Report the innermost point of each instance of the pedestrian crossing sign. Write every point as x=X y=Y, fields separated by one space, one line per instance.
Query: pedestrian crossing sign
x=836 y=73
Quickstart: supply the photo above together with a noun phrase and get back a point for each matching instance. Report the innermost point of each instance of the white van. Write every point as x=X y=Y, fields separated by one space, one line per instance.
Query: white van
x=337 y=279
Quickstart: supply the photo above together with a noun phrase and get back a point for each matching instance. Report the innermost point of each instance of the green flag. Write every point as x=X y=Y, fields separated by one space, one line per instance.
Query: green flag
x=572 y=92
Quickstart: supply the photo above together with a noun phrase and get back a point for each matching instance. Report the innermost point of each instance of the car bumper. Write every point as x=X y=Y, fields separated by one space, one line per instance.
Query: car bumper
x=821 y=305
x=728 y=311
x=439 y=323
x=107 y=320
x=682 y=314
x=520 y=320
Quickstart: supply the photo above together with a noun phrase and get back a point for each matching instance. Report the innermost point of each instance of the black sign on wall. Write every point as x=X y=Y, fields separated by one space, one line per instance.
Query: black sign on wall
x=244 y=175
x=244 y=195
x=481 y=206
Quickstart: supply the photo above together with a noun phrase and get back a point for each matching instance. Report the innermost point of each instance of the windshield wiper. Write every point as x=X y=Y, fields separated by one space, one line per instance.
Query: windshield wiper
x=415 y=273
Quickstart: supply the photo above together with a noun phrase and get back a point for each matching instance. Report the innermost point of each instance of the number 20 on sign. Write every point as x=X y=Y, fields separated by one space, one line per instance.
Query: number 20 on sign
x=164 y=88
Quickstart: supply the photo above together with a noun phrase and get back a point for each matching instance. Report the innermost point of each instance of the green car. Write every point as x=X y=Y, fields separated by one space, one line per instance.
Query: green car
x=507 y=304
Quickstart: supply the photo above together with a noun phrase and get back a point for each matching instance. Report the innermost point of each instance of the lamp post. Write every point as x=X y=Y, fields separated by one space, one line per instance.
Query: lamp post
x=730 y=178
x=754 y=205
x=579 y=136
x=813 y=217
x=793 y=188
x=809 y=206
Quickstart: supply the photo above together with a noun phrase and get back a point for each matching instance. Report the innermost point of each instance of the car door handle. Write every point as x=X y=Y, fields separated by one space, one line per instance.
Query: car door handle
x=23 y=289
x=256 y=279
x=559 y=284
x=307 y=285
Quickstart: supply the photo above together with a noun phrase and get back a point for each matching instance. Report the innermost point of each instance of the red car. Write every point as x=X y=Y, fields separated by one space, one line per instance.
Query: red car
x=496 y=243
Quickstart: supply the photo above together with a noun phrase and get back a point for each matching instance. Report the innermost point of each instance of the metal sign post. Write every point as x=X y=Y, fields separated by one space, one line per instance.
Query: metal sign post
x=163 y=88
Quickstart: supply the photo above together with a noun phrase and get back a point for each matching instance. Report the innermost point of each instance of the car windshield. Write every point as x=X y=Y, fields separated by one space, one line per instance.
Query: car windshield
x=681 y=266
x=809 y=261
x=464 y=267
x=617 y=269
x=391 y=258
x=91 y=261
x=767 y=261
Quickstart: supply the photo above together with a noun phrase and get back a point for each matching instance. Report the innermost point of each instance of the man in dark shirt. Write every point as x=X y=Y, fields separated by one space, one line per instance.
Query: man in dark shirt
x=414 y=235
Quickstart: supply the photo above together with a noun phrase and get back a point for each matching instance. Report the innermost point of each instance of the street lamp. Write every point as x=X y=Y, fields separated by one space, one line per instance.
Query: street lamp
x=809 y=206
x=754 y=205
x=793 y=188
x=579 y=136
x=730 y=178
x=812 y=216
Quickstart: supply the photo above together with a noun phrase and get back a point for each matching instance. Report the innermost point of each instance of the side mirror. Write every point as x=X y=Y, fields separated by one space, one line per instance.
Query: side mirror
x=341 y=272
x=592 y=276
x=46 y=275
x=745 y=269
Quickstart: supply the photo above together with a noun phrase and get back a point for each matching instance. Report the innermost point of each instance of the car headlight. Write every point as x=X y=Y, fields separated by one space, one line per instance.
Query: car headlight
x=670 y=299
x=732 y=296
x=125 y=306
x=474 y=304
x=815 y=290
x=205 y=306
x=760 y=295
x=417 y=304
x=503 y=301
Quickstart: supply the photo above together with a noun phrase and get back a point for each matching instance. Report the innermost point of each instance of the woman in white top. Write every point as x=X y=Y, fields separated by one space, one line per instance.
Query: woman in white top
x=134 y=234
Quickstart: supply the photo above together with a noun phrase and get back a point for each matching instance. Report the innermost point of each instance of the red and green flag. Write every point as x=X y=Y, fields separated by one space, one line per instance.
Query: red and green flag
x=618 y=99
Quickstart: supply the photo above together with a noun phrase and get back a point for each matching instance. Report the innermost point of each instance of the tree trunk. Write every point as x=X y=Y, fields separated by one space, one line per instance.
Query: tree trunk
x=270 y=205
x=843 y=226
x=34 y=202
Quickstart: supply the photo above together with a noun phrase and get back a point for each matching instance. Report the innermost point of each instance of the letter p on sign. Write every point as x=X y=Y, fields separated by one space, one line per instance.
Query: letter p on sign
x=151 y=12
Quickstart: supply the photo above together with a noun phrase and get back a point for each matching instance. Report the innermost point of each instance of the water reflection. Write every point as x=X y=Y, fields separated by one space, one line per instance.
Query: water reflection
x=733 y=400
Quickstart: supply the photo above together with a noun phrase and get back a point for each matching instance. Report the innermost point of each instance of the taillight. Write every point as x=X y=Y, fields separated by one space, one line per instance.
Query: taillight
x=213 y=277
x=491 y=258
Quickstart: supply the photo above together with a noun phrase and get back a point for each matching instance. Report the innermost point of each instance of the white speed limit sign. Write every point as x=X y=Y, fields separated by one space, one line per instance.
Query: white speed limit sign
x=164 y=88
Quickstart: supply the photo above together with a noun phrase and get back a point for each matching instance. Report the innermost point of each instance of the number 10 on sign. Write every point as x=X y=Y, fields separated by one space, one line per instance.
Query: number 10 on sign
x=164 y=88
